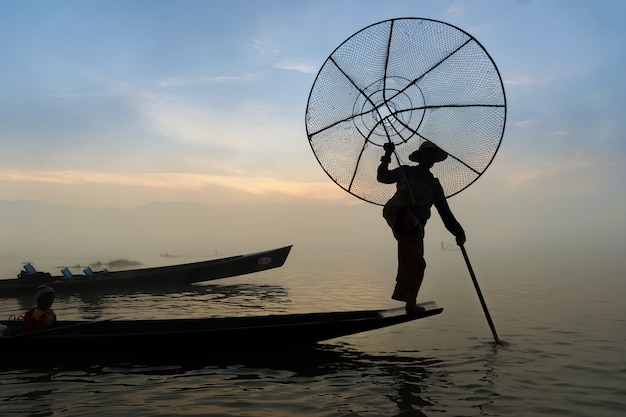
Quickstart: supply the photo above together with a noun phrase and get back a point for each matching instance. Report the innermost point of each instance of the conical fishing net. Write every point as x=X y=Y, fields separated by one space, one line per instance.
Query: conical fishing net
x=406 y=81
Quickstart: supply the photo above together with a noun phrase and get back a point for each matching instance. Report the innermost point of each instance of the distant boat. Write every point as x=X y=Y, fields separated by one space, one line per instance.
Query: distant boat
x=144 y=279
x=449 y=247
x=167 y=255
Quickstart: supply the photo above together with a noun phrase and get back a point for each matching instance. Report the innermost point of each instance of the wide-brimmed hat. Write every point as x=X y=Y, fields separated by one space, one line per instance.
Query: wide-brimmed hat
x=41 y=290
x=438 y=153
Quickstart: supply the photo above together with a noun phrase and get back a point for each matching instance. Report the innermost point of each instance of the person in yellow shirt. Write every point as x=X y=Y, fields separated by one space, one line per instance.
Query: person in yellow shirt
x=41 y=316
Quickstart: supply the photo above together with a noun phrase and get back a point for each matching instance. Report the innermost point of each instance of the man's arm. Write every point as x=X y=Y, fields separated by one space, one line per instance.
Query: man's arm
x=450 y=221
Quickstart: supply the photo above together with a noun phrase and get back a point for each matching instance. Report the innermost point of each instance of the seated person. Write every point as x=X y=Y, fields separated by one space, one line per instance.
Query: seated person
x=41 y=316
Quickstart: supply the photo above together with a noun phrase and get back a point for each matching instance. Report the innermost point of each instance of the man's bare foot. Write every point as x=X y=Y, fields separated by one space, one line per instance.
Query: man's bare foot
x=413 y=308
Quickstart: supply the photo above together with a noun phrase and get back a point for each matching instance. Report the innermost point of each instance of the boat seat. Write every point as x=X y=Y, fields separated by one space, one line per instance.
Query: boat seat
x=30 y=269
x=67 y=274
x=90 y=273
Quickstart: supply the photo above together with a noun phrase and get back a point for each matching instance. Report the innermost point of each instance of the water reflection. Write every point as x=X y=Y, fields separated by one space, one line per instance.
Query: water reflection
x=335 y=378
x=304 y=381
x=186 y=302
x=349 y=376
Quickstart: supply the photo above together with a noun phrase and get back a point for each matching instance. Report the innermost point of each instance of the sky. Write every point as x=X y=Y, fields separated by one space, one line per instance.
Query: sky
x=121 y=104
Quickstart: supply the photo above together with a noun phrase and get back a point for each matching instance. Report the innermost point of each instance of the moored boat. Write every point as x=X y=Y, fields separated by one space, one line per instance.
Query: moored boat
x=145 y=279
x=164 y=338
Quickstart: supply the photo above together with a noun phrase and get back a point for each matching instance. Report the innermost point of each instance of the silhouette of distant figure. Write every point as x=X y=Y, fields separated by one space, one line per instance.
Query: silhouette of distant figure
x=41 y=316
x=407 y=212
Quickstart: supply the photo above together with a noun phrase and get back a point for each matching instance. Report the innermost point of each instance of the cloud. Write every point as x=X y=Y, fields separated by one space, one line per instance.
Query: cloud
x=455 y=10
x=561 y=133
x=187 y=186
x=305 y=67
x=192 y=81
x=521 y=81
x=231 y=126
x=524 y=123
x=82 y=95
x=265 y=46
x=574 y=164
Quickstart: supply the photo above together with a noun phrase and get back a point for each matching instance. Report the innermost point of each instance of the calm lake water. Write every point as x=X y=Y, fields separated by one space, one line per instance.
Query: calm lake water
x=564 y=350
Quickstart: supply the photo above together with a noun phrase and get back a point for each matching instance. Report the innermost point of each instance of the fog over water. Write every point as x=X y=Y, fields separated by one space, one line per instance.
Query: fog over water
x=51 y=235
x=558 y=308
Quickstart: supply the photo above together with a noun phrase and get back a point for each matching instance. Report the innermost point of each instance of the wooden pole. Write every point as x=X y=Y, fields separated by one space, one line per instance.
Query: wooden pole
x=480 y=295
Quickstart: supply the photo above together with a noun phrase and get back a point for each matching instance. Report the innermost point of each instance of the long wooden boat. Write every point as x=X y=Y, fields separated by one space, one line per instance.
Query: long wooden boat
x=196 y=336
x=146 y=279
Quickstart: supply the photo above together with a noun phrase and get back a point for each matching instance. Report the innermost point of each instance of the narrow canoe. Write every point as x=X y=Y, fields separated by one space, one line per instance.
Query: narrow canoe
x=148 y=279
x=197 y=336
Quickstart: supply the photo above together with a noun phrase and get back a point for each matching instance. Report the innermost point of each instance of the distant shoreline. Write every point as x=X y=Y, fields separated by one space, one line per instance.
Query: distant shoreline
x=116 y=263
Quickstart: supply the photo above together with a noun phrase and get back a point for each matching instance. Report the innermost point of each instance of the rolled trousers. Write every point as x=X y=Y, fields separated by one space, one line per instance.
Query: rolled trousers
x=411 y=263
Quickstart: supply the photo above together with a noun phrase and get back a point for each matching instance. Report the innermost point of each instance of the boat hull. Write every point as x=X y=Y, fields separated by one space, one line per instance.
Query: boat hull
x=198 y=336
x=152 y=279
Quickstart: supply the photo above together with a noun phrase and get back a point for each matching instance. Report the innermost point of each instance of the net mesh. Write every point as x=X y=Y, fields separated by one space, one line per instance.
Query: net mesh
x=406 y=81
